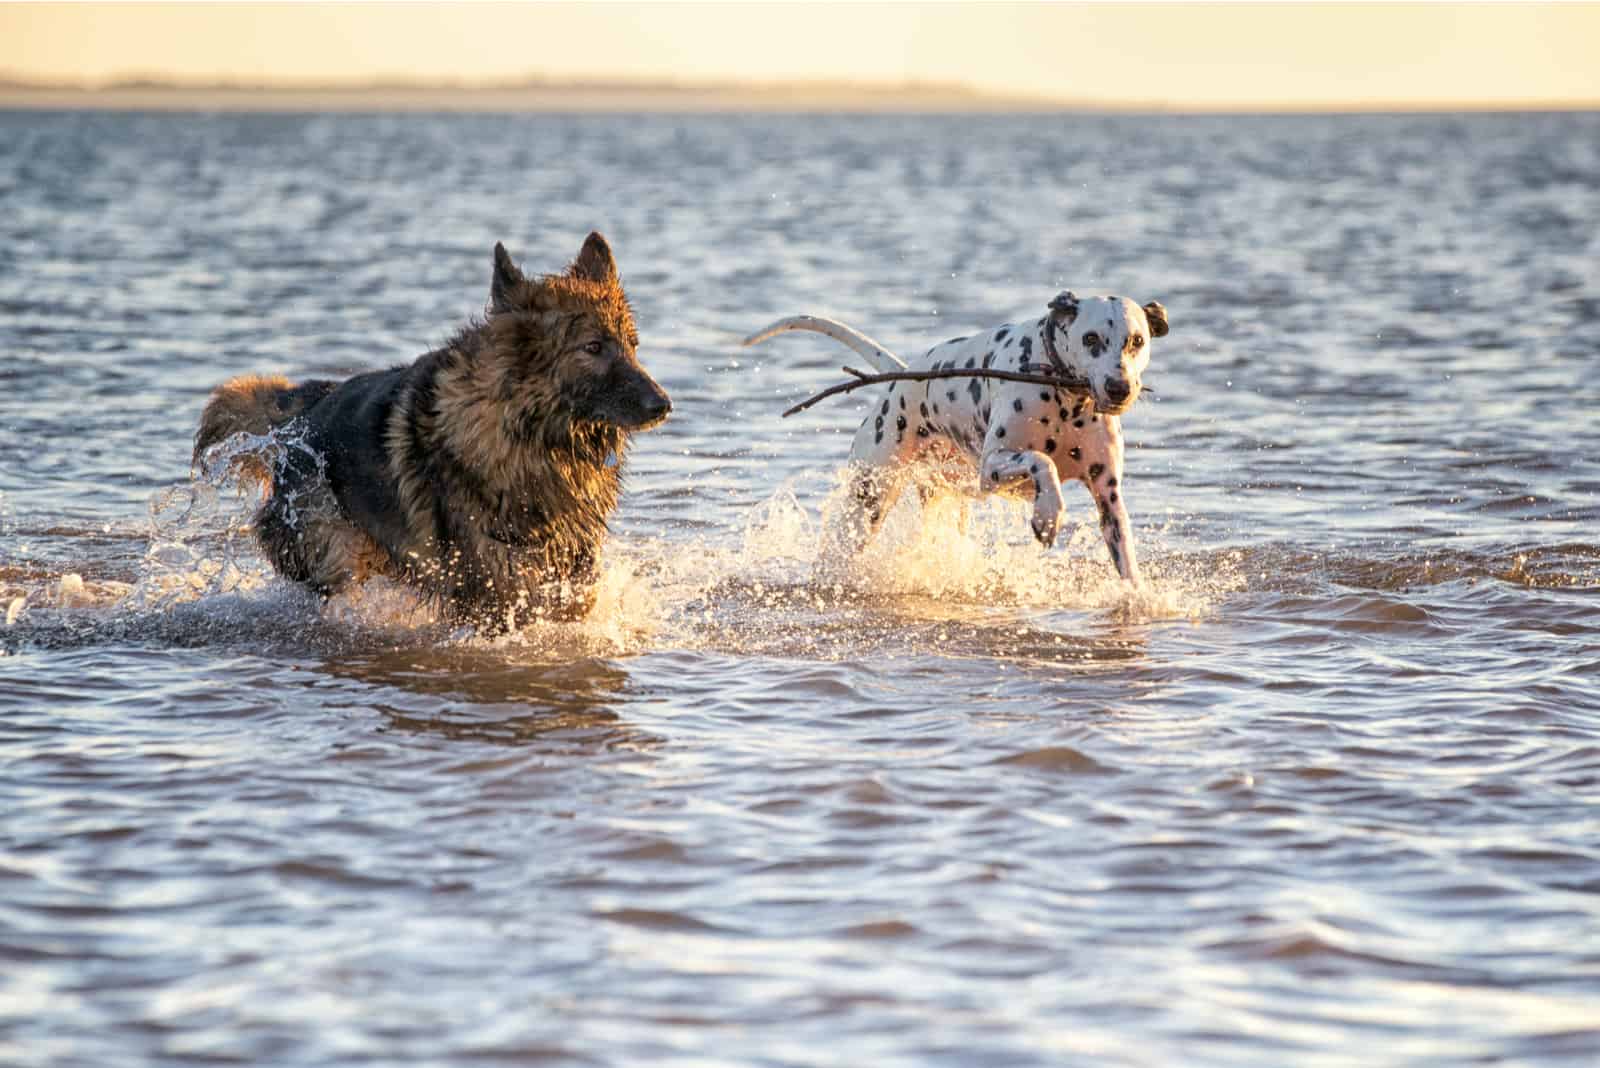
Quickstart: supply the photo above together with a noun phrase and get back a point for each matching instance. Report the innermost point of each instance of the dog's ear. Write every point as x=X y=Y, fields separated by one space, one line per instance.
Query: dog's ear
x=595 y=262
x=506 y=279
x=1156 y=315
x=1065 y=305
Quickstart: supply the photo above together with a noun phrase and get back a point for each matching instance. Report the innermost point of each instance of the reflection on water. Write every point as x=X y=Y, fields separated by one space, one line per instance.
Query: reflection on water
x=472 y=694
x=1326 y=786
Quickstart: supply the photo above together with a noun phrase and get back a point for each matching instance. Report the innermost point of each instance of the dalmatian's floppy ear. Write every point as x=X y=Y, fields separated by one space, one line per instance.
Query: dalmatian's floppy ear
x=1066 y=305
x=1156 y=315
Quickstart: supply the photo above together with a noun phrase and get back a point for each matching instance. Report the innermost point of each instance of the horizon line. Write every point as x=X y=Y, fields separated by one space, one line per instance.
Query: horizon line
x=532 y=92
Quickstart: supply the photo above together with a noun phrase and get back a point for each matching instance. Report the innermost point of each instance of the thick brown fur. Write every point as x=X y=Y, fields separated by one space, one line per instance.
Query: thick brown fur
x=483 y=473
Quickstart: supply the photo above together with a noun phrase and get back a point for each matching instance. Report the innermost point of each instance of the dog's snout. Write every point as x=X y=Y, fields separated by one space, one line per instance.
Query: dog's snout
x=1118 y=391
x=658 y=405
x=653 y=402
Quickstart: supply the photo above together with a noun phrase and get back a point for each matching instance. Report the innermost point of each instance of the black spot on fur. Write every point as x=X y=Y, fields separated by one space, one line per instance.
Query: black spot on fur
x=950 y=395
x=885 y=409
x=900 y=422
x=1016 y=405
x=972 y=362
x=902 y=404
x=1044 y=394
x=924 y=407
x=1078 y=423
x=1000 y=334
x=988 y=358
x=1026 y=345
x=1049 y=444
x=1096 y=470
x=976 y=389
x=1076 y=453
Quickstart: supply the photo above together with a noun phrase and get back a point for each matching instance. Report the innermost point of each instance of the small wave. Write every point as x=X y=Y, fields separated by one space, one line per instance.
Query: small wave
x=1571 y=566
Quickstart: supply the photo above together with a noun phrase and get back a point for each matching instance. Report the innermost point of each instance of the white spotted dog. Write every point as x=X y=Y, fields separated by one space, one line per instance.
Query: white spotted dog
x=1020 y=436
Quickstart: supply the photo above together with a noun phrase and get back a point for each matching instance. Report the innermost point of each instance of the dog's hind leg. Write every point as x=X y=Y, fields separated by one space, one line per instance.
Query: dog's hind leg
x=305 y=535
x=884 y=445
x=873 y=492
x=282 y=537
x=324 y=554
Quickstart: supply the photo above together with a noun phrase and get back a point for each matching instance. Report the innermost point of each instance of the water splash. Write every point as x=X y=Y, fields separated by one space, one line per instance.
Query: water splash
x=938 y=567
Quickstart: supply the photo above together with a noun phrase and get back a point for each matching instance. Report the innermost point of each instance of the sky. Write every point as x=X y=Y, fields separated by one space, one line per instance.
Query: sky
x=1185 y=55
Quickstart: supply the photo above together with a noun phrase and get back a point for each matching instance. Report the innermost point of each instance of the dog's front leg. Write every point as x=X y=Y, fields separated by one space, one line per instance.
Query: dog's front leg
x=1103 y=475
x=1002 y=467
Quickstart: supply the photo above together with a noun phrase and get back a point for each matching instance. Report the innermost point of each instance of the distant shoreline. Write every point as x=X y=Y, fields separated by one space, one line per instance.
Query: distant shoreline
x=535 y=96
x=531 y=96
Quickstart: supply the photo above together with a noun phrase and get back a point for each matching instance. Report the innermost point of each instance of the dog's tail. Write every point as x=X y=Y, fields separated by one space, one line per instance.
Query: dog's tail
x=252 y=404
x=880 y=358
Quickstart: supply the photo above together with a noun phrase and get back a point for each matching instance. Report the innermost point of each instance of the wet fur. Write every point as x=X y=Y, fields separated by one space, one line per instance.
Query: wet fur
x=483 y=473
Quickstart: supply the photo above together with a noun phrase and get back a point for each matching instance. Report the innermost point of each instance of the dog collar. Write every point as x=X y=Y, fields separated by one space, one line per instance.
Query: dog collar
x=1057 y=364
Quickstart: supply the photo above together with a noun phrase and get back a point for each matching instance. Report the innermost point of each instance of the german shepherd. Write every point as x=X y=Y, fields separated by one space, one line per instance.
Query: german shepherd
x=482 y=474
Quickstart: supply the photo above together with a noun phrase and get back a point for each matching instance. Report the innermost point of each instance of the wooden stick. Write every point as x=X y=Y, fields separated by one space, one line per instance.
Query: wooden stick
x=1076 y=386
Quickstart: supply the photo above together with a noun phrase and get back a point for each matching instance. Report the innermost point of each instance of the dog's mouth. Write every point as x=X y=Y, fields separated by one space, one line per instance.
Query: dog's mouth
x=641 y=408
x=1107 y=403
x=635 y=418
x=649 y=422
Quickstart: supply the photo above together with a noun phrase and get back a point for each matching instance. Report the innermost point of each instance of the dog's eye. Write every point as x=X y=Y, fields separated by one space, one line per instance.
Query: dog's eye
x=1138 y=341
x=1091 y=340
x=594 y=348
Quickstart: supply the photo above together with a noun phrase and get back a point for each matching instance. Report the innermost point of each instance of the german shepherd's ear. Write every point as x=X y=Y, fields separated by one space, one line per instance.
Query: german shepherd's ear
x=595 y=262
x=506 y=279
x=1156 y=316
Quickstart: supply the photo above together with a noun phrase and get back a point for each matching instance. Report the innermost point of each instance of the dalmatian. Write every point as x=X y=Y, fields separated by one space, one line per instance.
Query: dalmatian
x=1022 y=438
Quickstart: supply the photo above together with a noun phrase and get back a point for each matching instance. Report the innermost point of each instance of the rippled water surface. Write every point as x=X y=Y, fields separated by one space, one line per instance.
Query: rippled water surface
x=1328 y=793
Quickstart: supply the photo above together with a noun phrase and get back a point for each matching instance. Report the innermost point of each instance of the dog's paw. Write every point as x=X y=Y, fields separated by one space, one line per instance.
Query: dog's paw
x=1044 y=528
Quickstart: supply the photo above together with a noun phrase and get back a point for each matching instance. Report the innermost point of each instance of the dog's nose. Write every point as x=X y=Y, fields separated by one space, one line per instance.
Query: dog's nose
x=658 y=406
x=1118 y=390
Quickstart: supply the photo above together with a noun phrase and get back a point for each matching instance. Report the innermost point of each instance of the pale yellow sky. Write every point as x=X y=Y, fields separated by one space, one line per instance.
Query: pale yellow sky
x=1199 y=55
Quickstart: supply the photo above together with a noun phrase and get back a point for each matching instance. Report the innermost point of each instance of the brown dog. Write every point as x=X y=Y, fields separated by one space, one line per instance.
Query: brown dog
x=482 y=474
